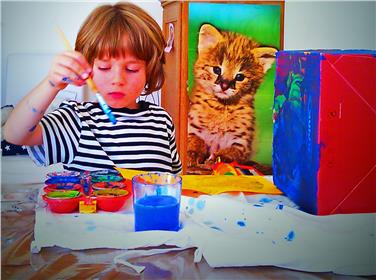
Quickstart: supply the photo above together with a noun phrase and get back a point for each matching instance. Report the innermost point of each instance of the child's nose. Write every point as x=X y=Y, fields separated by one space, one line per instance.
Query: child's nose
x=119 y=77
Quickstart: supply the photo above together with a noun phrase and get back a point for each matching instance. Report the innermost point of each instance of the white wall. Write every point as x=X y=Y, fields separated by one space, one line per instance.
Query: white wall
x=29 y=27
x=330 y=24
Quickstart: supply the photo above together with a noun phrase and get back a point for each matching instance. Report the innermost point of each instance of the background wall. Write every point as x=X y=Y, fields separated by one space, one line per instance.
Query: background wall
x=29 y=27
x=330 y=24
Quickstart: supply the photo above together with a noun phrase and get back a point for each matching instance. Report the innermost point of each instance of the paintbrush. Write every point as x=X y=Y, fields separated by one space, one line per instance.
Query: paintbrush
x=90 y=83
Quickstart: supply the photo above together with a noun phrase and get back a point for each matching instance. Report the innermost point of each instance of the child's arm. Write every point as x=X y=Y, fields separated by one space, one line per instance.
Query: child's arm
x=22 y=126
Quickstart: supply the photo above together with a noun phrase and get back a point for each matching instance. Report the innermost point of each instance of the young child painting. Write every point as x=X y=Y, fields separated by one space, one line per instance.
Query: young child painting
x=121 y=48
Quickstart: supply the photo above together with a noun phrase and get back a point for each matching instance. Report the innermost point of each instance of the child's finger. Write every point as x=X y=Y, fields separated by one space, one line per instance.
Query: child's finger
x=72 y=66
x=84 y=67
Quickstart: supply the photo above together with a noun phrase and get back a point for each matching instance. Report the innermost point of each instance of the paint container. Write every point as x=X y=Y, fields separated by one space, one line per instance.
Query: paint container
x=63 y=178
x=62 y=201
x=111 y=200
x=106 y=175
x=156 y=201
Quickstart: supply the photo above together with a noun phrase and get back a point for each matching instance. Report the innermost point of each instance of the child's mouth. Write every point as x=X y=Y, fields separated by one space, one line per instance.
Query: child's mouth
x=116 y=94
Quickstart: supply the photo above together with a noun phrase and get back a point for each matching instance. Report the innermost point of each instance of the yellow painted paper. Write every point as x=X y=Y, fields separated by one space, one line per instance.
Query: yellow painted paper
x=215 y=184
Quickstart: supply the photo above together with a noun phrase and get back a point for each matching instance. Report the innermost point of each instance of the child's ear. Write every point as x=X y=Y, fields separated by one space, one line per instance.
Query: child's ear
x=208 y=37
x=265 y=56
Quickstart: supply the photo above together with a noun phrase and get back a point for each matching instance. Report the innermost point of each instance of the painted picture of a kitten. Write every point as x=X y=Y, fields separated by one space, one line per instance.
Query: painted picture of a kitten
x=227 y=73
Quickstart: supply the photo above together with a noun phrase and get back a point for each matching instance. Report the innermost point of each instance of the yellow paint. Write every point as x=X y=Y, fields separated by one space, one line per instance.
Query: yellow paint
x=215 y=184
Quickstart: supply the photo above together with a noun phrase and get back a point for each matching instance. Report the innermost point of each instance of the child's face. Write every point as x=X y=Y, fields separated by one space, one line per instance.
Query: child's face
x=120 y=80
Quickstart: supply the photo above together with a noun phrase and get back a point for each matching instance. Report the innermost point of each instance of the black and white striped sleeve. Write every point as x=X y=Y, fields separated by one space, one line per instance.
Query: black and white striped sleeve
x=61 y=133
x=175 y=159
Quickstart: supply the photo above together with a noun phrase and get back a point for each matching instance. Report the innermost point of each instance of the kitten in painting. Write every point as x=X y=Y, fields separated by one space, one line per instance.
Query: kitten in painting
x=221 y=120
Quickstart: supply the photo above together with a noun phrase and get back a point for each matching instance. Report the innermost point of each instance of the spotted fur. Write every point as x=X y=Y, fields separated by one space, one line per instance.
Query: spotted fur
x=221 y=120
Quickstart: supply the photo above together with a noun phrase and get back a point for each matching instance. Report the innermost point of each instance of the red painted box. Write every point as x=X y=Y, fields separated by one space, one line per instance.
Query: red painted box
x=324 y=141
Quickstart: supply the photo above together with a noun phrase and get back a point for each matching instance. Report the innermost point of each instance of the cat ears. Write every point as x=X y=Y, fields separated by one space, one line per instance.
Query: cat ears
x=265 y=56
x=208 y=37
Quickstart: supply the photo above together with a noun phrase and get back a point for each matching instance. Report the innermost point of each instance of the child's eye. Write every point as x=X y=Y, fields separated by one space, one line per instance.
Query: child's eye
x=104 y=68
x=132 y=70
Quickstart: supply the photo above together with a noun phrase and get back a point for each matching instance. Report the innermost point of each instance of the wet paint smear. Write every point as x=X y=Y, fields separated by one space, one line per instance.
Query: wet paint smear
x=241 y=223
x=290 y=236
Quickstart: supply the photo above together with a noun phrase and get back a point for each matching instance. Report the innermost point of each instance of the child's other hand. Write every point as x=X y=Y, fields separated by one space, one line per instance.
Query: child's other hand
x=69 y=67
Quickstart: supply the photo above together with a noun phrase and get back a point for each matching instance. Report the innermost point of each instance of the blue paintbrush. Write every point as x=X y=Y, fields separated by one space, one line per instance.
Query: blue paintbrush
x=91 y=84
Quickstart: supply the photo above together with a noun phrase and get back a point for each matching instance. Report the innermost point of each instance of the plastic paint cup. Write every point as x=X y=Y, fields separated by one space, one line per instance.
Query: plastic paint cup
x=156 y=201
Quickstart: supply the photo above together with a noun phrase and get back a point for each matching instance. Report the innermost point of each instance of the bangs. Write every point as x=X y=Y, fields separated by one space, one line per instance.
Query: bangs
x=113 y=41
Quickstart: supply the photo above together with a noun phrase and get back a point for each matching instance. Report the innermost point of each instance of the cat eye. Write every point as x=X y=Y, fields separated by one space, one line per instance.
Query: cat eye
x=239 y=77
x=217 y=70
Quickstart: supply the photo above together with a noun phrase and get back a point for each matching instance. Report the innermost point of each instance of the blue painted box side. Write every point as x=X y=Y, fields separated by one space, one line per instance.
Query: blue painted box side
x=295 y=130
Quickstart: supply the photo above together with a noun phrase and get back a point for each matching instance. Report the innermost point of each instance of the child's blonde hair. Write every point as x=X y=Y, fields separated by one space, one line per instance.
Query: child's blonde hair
x=102 y=34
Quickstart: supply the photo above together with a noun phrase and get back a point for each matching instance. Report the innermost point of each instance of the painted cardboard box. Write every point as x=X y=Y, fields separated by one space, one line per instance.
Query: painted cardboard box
x=324 y=131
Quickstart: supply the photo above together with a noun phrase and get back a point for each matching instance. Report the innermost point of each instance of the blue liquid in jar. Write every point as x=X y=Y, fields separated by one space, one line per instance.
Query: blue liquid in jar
x=157 y=212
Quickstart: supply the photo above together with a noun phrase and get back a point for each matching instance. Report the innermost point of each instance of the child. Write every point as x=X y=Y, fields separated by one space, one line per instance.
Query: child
x=122 y=48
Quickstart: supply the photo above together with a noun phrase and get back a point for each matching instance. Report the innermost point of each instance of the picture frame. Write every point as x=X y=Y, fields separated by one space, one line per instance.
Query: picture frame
x=259 y=20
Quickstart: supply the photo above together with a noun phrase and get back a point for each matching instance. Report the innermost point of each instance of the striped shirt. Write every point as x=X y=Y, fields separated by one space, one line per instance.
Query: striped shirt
x=82 y=137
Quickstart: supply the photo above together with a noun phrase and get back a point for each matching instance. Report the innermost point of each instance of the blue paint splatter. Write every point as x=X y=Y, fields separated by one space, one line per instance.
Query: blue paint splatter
x=200 y=205
x=241 y=223
x=33 y=128
x=190 y=211
x=279 y=207
x=290 y=236
x=216 y=228
x=91 y=228
x=258 y=205
x=265 y=200
x=191 y=201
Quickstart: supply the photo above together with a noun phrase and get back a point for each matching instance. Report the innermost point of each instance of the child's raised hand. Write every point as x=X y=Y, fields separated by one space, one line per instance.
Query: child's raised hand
x=69 y=67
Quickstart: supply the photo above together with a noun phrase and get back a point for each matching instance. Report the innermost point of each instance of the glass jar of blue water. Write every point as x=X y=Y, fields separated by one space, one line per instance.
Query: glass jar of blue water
x=156 y=201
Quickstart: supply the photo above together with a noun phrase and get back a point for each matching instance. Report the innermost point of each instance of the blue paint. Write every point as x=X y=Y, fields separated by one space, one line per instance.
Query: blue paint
x=200 y=204
x=279 y=206
x=265 y=200
x=91 y=228
x=157 y=213
x=241 y=223
x=33 y=128
x=216 y=228
x=290 y=236
x=258 y=205
x=190 y=211
x=295 y=130
x=191 y=201
x=66 y=80
x=105 y=108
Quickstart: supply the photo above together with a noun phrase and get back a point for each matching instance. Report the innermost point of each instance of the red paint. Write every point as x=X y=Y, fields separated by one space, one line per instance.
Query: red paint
x=347 y=123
